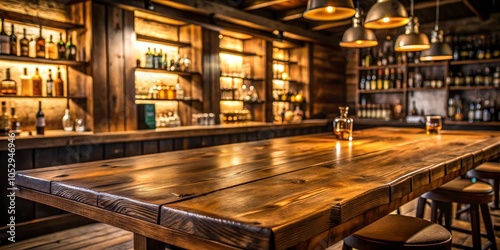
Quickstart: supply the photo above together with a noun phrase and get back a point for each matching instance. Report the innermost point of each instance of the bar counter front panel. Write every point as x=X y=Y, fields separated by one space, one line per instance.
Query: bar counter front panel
x=293 y=192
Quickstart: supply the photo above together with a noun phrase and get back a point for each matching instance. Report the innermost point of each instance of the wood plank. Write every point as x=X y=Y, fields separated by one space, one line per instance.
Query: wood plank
x=99 y=73
x=129 y=65
x=116 y=77
x=113 y=150
x=149 y=147
x=133 y=148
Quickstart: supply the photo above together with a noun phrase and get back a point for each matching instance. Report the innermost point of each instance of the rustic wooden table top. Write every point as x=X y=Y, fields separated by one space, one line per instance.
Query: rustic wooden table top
x=295 y=192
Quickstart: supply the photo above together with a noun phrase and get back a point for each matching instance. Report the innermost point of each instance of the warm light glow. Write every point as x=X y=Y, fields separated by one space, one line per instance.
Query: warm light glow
x=436 y=58
x=386 y=19
x=359 y=44
x=330 y=9
x=409 y=48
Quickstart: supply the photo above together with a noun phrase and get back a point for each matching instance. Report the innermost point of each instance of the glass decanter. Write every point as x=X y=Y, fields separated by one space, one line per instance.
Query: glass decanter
x=342 y=126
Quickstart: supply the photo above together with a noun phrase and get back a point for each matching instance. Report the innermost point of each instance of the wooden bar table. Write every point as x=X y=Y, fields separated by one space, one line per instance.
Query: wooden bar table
x=302 y=192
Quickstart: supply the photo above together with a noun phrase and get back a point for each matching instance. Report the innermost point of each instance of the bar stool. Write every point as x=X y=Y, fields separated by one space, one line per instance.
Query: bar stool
x=399 y=232
x=491 y=171
x=476 y=195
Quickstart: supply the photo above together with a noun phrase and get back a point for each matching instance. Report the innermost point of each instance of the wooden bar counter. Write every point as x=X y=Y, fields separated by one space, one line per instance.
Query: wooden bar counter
x=298 y=192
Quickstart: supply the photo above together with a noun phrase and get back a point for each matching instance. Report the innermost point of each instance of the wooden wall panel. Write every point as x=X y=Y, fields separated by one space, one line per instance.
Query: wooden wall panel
x=113 y=150
x=91 y=152
x=132 y=148
x=211 y=73
x=116 y=100
x=149 y=147
x=165 y=145
x=99 y=71
x=129 y=65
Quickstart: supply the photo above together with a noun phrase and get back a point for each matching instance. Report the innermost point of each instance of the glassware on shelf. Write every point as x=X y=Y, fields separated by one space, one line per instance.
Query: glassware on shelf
x=67 y=121
x=343 y=125
x=79 y=125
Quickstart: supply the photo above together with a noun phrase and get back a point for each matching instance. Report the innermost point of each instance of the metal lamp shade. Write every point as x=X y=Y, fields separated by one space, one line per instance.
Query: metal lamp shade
x=412 y=40
x=439 y=50
x=328 y=10
x=358 y=37
x=386 y=14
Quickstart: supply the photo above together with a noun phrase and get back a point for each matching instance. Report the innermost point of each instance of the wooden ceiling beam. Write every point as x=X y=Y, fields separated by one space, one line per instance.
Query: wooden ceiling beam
x=289 y=15
x=336 y=24
x=258 y=4
x=231 y=14
x=478 y=8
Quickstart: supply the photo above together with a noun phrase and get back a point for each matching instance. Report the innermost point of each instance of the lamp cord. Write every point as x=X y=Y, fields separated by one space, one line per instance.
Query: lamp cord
x=437 y=15
x=412 y=8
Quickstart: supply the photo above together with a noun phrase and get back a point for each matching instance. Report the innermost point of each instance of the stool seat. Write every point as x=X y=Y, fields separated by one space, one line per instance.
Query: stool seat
x=400 y=232
x=462 y=191
x=487 y=170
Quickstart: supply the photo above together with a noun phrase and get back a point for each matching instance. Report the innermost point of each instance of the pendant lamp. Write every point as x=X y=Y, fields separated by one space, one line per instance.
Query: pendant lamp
x=386 y=14
x=412 y=40
x=328 y=10
x=358 y=36
x=439 y=50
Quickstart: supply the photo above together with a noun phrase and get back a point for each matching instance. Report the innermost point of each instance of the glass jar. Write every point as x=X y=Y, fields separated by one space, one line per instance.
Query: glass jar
x=342 y=126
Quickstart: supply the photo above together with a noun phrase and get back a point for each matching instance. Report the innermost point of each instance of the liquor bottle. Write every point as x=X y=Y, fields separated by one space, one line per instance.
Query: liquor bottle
x=493 y=112
x=32 y=48
x=40 y=45
x=58 y=84
x=13 y=41
x=380 y=56
x=495 y=45
x=478 y=113
x=8 y=86
x=410 y=57
x=470 y=47
x=399 y=79
x=165 y=63
x=36 y=81
x=186 y=63
x=159 y=59
x=479 y=78
x=362 y=81
x=40 y=120
x=392 y=79
x=380 y=80
x=149 y=59
x=496 y=77
x=155 y=56
x=480 y=50
x=15 y=125
x=368 y=80
x=386 y=84
x=51 y=49
x=50 y=84
x=61 y=48
x=486 y=111
x=487 y=47
x=488 y=78
x=450 y=80
x=414 y=110
x=398 y=110
x=179 y=91
x=26 y=88
x=373 y=82
x=342 y=126
x=456 y=49
x=67 y=121
x=4 y=40
x=459 y=79
x=452 y=109
x=70 y=50
x=368 y=58
x=4 y=120
x=469 y=78
x=471 y=112
x=24 y=44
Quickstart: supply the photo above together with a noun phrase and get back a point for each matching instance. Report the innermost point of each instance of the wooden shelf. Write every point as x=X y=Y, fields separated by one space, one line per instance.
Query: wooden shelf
x=391 y=66
x=427 y=64
x=163 y=71
x=238 y=100
x=451 y=122
x=171 y=100
x=284 y=61
x=22 y=18
x=168 y=42
x=289 y=102
x=42 y=60
x=244 y=78
x=425 y=89
x=290 y=81
x=472 y=88
x=235 y=52
x=381 y=91
x=43 y=97
x=462 y=62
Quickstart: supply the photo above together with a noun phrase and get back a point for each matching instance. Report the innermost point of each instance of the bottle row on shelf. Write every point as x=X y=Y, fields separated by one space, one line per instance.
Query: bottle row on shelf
x=475 y=111
x=168 y=120
x=203 y=119
x=9 y=123
x=417 y=79
x=384 y=112
x=236 y=116
x=246 y=94
x=158 y=60
x=34 y=85
x=288 y=95
x=160 y=91
x=289 y=116
x=384 y=80
x=36 y=48
x=475 y=78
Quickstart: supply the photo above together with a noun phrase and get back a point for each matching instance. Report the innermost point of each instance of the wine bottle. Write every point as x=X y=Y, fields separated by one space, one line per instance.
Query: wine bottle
x=4 y=120
x=59 y=84
x=149 y=59
x=26 y=88
x=52 y=49
x=40 y=45
x=4 y=40
x=40 y=120
x=15 y=125
x=8 y=86
x=70 y=50
x=24 y=44
x=36 y=81
x=13 y=41
x=61 y=48
x=50 y=84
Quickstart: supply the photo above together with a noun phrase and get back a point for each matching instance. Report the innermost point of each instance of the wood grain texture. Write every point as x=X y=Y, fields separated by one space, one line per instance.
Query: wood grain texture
x=269 y=194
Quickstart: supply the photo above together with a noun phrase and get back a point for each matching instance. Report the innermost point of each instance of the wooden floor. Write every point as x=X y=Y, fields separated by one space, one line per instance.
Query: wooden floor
x=101 y=236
